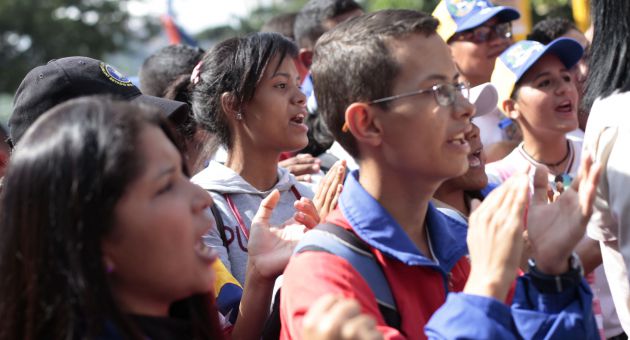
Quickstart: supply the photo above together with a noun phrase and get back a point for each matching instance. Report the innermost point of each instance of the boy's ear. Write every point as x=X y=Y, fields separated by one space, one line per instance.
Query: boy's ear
x=305 y=57
x=510 y=107
x=360 y=120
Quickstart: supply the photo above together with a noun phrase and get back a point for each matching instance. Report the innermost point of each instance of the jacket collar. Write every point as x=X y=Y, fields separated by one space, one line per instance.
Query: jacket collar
x=377 y=227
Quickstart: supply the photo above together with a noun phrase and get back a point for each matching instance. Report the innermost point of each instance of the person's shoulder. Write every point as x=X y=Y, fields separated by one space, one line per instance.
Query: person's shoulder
x=610 y=109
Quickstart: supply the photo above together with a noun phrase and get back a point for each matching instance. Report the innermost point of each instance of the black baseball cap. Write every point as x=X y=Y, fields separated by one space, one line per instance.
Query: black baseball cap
x=62 y=79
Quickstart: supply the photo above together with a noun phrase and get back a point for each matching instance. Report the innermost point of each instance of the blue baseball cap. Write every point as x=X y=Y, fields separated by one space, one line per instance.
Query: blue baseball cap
x=460 y=15
x=514 y=62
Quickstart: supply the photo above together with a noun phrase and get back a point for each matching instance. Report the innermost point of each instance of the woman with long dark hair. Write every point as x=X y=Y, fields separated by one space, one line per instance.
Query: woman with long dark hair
x=102 y=233
x=608 y=137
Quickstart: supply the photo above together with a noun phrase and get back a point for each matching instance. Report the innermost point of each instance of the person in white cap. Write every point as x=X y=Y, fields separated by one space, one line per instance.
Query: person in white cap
x=477 y=33
x=454 y=196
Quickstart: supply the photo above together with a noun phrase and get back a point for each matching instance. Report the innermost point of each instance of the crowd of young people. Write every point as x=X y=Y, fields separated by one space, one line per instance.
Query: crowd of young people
x=120 y=220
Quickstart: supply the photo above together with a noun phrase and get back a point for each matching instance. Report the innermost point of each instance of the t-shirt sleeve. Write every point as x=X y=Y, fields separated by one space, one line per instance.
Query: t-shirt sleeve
x=602 y=226
x=311 y=275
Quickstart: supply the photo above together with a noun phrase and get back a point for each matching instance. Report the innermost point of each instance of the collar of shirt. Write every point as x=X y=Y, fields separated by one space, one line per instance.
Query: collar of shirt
x=377 y=227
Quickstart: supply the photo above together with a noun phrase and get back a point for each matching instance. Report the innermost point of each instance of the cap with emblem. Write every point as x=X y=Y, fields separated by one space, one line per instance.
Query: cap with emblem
x=460 y=15
x=62 y=79
x=514 y=62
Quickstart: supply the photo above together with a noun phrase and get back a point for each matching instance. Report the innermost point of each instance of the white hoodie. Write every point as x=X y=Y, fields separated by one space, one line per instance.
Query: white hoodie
x=219 y=181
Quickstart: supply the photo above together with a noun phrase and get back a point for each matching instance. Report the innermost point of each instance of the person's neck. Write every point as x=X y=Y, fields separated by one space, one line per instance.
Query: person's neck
x=545 y=149
x=406 y=198
x=136 y=302
x=456 y=198
x=257 y=167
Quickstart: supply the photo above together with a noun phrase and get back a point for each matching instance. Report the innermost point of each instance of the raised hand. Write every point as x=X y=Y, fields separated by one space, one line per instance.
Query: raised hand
x=555 y=229
x=329 y=189
x=269 y=247
x=306 y=213
x=495 y=240
x=302 y=166
x=332 y=317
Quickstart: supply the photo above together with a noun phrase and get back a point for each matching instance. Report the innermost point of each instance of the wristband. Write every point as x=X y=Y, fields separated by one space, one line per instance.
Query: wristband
x=546 y=283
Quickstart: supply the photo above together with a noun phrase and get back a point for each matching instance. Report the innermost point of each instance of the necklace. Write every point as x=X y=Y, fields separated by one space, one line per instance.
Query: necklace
x=549 y=165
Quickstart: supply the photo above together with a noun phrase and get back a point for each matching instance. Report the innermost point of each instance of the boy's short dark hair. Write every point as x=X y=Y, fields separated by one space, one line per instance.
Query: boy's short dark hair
x=550 y=29
x=282 y=23
x=160 y=69
x=309 y=22
x=352 y=63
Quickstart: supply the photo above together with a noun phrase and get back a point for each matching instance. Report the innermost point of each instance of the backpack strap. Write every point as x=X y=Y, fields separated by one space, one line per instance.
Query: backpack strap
x=220 y=226
x=341 y=242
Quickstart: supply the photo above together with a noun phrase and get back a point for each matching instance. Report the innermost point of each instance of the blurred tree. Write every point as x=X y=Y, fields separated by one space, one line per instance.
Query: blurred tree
x=33 y=32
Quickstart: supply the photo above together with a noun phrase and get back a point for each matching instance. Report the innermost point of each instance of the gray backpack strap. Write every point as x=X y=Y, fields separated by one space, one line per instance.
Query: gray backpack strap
x=336 y=240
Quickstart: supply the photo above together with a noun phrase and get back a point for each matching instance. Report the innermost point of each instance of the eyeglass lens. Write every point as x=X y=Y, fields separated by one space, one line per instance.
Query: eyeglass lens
x=446 y=94
x=485 y=33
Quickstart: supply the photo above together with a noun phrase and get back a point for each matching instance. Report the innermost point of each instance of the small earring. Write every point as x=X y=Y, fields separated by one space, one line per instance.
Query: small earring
x=239 y=116
x=109 y=266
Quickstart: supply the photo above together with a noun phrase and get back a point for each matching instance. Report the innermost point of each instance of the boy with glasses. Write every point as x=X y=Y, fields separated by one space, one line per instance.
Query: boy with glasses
x=400 y=110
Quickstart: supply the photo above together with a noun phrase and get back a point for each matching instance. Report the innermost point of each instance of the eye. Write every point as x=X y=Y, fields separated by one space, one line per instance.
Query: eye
x=281 y=86
x=165 y=188
x=544 y=83
x=567 y=78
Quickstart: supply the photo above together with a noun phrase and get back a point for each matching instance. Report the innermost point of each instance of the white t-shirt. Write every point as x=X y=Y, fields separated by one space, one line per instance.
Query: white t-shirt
x=518 y=160
x=608 y=137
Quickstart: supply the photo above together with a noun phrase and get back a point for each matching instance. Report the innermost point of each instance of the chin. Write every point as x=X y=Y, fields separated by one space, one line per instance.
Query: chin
x=297 y=145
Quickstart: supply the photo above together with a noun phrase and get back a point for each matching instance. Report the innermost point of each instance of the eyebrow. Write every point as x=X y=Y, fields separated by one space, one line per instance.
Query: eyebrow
x=441 y=77
x=165 y=172
x=282 y=74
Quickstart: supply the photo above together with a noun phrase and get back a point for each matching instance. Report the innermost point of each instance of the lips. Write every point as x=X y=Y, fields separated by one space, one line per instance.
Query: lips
x=204 y=252
x=565 y=107
x=474 y=159
x=298 y=119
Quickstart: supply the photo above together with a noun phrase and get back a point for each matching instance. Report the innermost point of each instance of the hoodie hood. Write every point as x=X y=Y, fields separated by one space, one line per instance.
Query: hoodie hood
x=219 y=178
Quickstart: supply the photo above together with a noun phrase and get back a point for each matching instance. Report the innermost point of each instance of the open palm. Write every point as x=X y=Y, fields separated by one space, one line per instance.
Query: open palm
x=555 y=229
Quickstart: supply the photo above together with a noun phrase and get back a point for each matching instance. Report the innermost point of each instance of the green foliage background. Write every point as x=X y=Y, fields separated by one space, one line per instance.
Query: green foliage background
x=35 y=31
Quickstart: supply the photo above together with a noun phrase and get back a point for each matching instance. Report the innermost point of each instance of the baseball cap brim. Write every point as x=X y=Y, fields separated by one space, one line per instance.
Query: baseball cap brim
x=172 y=109
x=567 y=50
x=484 y=97
x=502 y=13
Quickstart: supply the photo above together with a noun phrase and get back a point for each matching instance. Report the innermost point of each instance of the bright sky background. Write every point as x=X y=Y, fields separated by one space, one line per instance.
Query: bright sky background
x=196 y=15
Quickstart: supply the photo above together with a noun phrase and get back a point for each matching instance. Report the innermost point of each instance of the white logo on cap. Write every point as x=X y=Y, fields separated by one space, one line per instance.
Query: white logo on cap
x=460 y=8
x=520 y=53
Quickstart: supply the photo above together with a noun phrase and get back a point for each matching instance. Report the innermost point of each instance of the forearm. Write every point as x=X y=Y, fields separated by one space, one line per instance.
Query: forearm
x=254 y=308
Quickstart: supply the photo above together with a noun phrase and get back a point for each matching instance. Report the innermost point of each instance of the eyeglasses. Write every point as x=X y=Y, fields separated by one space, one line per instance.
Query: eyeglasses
x=445 y=94
x=482 y=34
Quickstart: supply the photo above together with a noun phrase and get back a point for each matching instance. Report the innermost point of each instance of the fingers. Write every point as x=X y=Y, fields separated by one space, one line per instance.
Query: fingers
x=318 y=309
x=588 y=189
x=328 y=191
x=326 y=318
x=263 y=215
x=304 y=178
x=362 y=327
x=302 y=164
x=306 y=213
x=540 y=184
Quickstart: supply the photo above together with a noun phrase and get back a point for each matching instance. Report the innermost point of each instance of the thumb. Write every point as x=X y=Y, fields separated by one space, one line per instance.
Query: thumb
x=540 y=184
x=263 y=215
x=474 y=204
